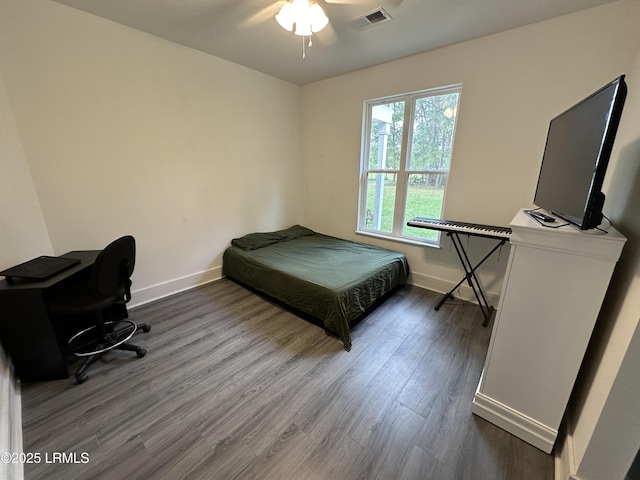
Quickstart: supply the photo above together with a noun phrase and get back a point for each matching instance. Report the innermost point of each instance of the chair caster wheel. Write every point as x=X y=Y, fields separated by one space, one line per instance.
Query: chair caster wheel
x=81 y=377
x=141 y=352
x=146 y=328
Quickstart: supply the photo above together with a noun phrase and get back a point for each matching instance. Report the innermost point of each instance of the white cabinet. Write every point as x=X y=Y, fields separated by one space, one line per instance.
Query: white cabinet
x=553 y=289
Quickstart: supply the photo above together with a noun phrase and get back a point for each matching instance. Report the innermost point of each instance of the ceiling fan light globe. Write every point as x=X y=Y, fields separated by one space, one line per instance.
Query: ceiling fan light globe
x=303 y=29
x=316 y=27
x=317 y=17
x=286 y=16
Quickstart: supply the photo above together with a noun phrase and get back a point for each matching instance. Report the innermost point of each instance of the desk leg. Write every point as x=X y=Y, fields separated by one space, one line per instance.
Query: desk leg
x=28 y=337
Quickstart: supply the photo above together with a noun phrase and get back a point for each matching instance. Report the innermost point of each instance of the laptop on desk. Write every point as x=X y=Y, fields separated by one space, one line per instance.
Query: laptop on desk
x=40 y=268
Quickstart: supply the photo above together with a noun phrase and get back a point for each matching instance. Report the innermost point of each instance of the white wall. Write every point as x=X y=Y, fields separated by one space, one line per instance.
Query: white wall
x=604 y=418
x=127 y=133
x=23 y=234
x=105 y=130
x=10 y=420
x=513 y=84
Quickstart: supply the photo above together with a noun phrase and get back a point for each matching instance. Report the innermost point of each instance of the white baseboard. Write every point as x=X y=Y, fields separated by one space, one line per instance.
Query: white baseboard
x=564 y=461
x=514 y=422
x=162 y=290
x=171 y=287
x=443 y=286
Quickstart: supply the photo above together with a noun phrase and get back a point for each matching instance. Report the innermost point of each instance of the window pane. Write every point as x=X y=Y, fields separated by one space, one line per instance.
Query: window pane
x=385 y=139
x=381 y=194
x=425 y=197
x=434 y=122
x=406 y=138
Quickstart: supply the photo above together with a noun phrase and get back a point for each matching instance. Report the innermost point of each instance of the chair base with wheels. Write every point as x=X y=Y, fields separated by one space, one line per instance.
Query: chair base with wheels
x=92 y=342
x=104 y=297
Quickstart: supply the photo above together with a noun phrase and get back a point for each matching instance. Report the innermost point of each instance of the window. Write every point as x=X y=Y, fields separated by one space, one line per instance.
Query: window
x=404 y=171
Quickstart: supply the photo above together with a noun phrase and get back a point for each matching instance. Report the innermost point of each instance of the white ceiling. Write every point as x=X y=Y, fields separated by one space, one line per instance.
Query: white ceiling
x=245 y=31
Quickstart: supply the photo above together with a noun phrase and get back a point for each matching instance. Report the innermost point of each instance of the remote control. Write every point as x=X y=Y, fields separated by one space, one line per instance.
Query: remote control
x=542 y=217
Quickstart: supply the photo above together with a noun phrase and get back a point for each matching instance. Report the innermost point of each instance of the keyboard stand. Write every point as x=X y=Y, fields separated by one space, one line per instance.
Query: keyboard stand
x=470 y=276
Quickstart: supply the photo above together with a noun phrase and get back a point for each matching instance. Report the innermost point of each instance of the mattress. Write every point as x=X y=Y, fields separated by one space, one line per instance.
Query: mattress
x=333 y=280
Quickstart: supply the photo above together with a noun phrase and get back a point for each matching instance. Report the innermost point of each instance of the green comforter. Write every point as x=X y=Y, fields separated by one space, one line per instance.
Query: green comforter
x=328 y=278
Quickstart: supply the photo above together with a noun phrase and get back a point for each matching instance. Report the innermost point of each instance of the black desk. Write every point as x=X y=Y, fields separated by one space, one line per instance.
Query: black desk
x=29 y=335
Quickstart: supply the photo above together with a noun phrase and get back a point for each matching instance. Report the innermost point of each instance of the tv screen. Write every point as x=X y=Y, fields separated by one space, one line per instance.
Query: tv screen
x=579 y=143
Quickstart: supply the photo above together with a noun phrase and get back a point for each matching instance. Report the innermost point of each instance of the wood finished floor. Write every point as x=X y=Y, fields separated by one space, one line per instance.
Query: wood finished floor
x=235 y=387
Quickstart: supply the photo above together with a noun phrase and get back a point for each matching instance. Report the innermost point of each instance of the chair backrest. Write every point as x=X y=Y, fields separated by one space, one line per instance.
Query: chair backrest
x=113 y=267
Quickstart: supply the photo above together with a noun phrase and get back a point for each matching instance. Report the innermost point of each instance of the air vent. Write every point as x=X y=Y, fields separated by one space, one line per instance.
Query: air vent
x=375 y=17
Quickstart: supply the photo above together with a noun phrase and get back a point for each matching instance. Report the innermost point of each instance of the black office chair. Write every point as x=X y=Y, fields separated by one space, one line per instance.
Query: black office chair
x=103 y=296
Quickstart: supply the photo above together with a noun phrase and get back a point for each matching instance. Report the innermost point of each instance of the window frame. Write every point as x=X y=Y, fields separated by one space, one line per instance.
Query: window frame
x=402 y=172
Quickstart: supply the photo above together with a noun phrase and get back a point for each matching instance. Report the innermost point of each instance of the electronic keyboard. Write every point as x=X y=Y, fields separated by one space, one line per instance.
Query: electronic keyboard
x=479 y=230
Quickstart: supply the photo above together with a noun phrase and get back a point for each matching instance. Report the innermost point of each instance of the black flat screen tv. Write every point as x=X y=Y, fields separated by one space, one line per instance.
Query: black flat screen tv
x=576 y=155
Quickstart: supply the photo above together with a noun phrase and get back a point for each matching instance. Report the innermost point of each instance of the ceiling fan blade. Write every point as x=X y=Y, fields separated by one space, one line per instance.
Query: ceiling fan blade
x=263 y=15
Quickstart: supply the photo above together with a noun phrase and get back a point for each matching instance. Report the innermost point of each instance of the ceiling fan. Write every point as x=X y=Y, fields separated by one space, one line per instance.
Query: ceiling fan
x=306 y=17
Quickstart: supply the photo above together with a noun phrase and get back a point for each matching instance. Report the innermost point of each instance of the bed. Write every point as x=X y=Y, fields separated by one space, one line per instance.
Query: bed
x=332 y=280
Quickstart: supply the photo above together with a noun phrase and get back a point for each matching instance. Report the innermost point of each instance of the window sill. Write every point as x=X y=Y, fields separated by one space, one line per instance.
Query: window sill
x=394 y=238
